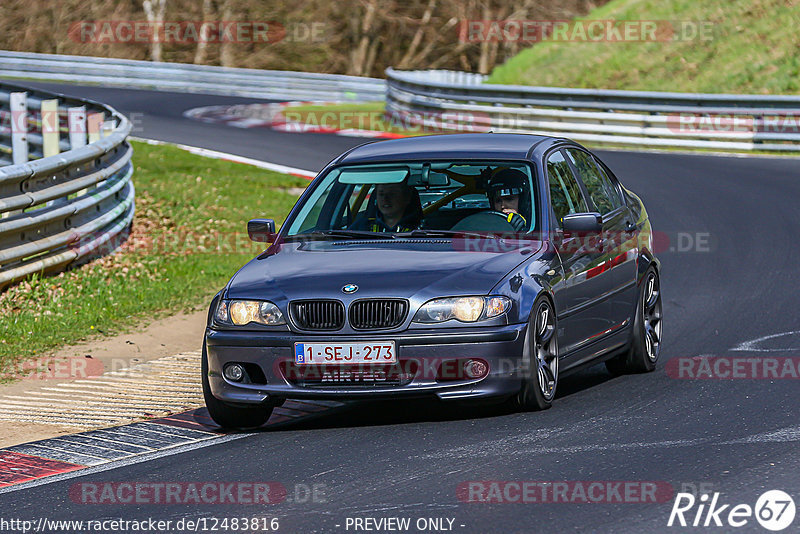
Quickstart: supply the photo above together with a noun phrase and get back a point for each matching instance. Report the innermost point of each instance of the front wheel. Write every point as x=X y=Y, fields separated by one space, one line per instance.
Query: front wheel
x=541 y=361
x=228 y=415
x=646 y=341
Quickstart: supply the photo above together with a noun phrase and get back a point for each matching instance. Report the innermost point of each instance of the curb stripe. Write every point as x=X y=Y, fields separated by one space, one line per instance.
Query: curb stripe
x=50 y=453
x=131 y=460
x=16 y=468
x=56 y=456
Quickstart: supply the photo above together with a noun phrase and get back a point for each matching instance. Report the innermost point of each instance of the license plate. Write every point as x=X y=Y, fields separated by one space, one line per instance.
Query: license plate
x=344 y=353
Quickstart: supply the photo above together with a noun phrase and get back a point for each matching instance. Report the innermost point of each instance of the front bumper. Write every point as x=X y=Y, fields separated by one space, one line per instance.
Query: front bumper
x=424 y=351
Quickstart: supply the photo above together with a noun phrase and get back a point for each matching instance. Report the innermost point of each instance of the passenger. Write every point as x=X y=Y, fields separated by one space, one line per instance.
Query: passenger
x=398 y=210
x=506 y=195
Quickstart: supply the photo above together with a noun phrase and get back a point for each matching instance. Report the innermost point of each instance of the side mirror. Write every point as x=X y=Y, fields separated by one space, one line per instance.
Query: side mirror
x=261 y=230
x=591 y=222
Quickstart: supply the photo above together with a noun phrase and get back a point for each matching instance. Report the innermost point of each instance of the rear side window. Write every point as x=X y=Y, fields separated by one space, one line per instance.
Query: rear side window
x=602 y=192
x=565 y=193
x=612 y=180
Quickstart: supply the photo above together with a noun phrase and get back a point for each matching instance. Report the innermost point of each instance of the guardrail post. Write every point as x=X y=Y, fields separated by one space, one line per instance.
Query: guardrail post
x=108 y=128
x=51 y=134
x=76 y=119
x=19 y=127
x=18 y=103
x=50 y=128
x=94 y=125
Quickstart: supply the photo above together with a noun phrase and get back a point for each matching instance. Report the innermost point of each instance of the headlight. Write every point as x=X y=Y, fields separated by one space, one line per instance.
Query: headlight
x=464 y=309
x=242 y=312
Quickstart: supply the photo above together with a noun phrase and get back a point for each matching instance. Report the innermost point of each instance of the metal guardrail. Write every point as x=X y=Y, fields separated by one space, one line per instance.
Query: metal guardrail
x=659 y=119
x=65 y=181
x=183 y=77
x=686 y=120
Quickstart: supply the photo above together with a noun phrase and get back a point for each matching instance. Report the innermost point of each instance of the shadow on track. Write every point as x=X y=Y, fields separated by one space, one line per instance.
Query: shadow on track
x=408 y=411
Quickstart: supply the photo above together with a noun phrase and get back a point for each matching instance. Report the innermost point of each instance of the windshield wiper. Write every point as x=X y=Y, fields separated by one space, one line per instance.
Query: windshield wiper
x=446 y=233
x=352 y=234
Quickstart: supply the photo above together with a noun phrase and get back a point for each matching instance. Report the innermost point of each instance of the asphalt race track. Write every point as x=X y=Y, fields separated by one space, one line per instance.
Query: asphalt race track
x=737 y=437
x=158 y=115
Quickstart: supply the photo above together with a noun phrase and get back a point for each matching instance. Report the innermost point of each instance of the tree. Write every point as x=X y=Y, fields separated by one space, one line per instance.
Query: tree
x=201 y=51
x=154 y=11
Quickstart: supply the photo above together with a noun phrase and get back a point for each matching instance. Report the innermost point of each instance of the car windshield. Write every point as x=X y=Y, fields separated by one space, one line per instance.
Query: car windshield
x=493 y=197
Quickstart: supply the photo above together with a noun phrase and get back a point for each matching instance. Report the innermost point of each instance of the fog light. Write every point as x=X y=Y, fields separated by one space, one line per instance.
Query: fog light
x=234 y=372
x=476 y=368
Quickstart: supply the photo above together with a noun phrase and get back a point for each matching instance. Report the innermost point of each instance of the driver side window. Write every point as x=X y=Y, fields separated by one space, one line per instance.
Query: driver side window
x=565 y=193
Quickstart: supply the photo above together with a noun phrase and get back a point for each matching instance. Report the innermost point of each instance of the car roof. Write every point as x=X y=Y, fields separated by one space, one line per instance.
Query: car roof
x=450 y=146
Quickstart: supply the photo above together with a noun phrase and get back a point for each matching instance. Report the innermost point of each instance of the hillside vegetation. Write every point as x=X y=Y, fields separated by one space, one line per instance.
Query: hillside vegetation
x=753 y=47
x=360 y=37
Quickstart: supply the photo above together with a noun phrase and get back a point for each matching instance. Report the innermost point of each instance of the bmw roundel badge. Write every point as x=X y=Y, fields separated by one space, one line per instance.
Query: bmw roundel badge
x=350 y=288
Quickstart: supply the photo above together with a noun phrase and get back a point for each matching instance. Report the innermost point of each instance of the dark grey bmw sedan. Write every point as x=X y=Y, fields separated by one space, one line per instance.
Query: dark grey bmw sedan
x=456 y=267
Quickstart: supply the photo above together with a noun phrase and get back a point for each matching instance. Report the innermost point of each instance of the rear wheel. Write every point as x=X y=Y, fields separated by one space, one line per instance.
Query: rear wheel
x=230 y=415
x=646 y=343
x=541 y=361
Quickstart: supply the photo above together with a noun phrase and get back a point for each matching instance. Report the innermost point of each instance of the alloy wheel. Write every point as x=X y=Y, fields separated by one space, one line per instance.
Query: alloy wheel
x=546 y=350
x=651 y=316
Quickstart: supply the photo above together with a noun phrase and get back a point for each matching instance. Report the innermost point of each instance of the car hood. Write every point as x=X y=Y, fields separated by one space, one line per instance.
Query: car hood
x=402 y=268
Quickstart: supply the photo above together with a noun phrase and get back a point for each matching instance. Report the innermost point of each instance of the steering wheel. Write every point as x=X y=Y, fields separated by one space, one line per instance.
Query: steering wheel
x=485 y=221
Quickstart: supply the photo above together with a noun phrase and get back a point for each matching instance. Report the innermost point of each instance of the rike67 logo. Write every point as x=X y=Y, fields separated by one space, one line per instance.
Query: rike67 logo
x=774 y=510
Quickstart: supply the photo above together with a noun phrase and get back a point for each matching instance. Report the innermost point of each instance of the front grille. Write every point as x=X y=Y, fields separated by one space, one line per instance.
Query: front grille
x=318 y=314
x=371 y=314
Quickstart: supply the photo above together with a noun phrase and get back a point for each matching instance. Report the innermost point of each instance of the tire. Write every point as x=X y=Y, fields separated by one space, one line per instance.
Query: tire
x=229 y=415
x=645 y=347
x=540 y=359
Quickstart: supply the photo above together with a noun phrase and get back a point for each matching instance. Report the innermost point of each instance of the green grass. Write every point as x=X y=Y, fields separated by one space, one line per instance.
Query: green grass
x=753 y=49
x=189 y=236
